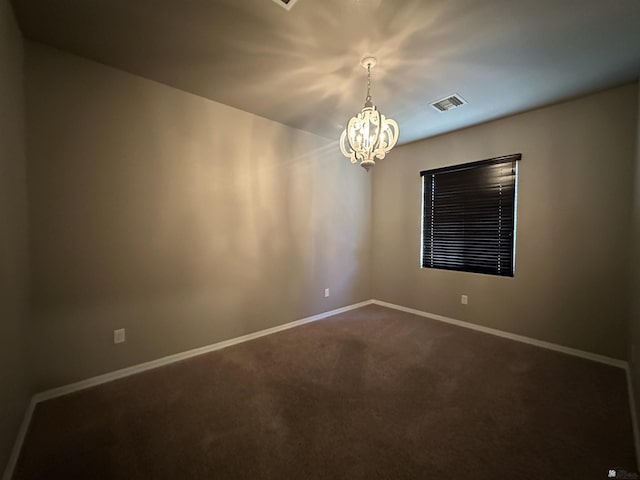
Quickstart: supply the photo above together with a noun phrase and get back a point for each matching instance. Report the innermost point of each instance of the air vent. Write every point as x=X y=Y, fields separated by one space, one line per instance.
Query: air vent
x=286 y=4
x=449 y=103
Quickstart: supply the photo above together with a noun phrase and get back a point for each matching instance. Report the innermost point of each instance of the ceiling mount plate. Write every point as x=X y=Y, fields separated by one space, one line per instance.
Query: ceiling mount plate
x=286 y=4
x=367 y=62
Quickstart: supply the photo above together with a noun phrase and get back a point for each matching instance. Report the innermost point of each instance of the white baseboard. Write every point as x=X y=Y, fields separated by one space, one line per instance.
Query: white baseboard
x=511 y=336
x=142 y=367
x=125 y=372
x=17 y=446
x=634 y=417
x=540 y=343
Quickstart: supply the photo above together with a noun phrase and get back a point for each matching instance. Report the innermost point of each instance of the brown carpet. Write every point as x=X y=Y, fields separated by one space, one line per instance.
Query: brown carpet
x=369 y=394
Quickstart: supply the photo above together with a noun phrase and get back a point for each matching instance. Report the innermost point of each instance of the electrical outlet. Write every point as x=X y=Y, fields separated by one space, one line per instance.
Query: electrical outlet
x=119 y=336
x=464 y=299
x=326 y=292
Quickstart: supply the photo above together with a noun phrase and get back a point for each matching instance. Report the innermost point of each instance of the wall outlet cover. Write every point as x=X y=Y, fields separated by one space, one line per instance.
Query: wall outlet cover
x=119 y=336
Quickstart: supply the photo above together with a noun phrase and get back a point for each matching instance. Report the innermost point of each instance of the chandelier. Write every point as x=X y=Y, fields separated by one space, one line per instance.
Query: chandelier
x=368 y=135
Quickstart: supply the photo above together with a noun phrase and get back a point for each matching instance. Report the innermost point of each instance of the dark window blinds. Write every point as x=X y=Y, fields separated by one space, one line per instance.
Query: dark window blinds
x=469 y=216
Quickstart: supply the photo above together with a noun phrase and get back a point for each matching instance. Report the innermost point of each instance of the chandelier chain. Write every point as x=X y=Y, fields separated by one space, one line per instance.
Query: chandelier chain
x=368 y=82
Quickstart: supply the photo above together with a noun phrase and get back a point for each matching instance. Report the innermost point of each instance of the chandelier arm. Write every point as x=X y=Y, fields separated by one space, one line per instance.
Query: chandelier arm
x=393 y=133
x=345 y=147
x=380 y=120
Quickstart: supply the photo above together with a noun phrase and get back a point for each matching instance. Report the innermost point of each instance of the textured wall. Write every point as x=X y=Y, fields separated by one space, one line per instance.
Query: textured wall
x=180 y=219
x=573 y=232
x=14 y=381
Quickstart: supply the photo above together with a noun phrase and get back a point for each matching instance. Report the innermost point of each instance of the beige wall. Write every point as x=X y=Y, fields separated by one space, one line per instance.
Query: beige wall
x=573 y=233
x=180 y=219
x=634 y=317
x=14 y=381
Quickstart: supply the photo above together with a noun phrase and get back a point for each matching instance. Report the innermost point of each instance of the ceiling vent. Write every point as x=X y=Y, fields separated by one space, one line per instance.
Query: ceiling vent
x=449 y=103
x=286 y=4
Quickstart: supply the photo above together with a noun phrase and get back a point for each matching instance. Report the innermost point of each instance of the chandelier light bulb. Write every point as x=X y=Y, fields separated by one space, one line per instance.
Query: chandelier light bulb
x=369 y=135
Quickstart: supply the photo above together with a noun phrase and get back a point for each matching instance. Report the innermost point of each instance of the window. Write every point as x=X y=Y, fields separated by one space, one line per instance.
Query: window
x=469 y=216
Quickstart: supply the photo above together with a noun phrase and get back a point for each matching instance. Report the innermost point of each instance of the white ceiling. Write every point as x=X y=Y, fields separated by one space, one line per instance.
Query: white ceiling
x=301 y=67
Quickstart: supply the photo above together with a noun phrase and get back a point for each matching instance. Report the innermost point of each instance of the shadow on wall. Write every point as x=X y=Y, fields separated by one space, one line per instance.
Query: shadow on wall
x=333 y=76
x=294 y=54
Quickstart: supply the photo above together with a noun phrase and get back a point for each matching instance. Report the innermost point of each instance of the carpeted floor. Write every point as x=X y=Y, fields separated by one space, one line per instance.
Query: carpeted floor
x=369 y=394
